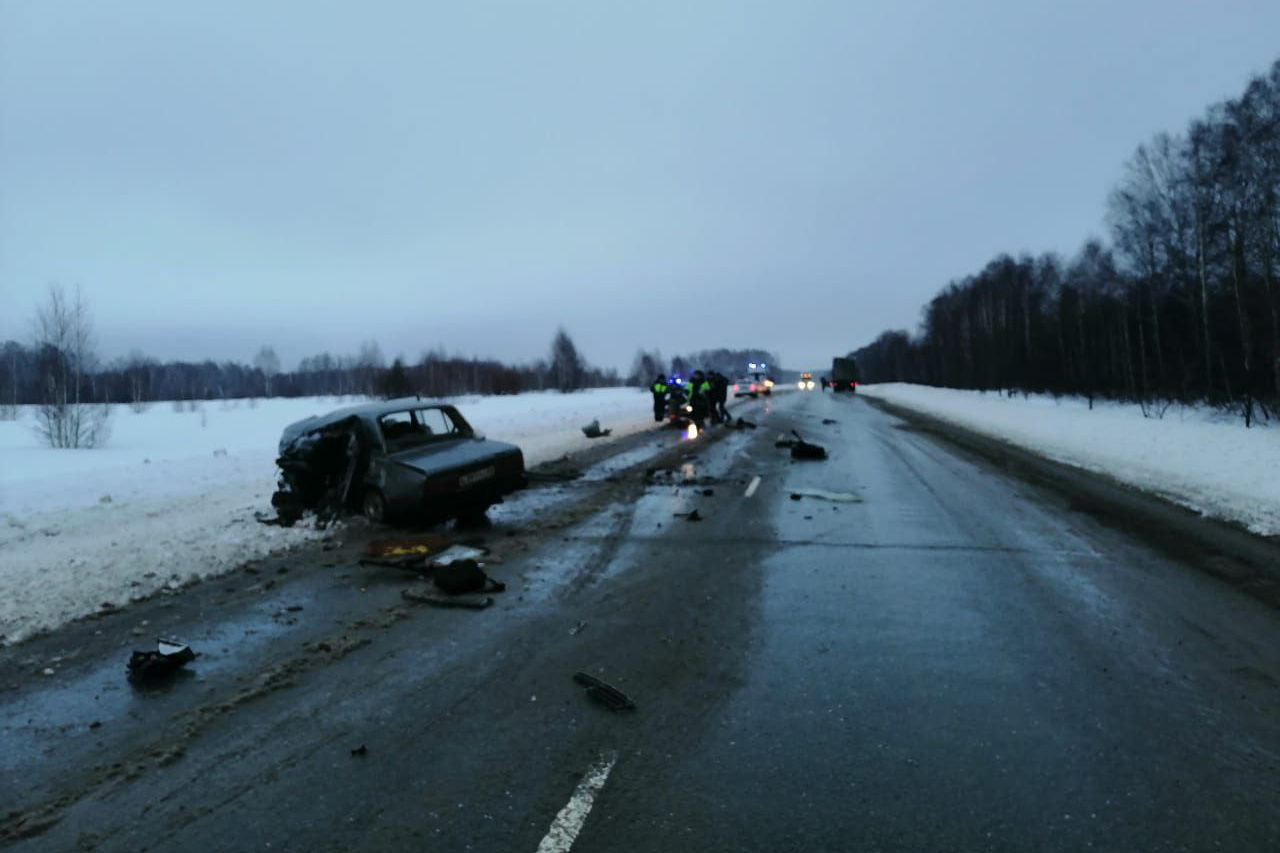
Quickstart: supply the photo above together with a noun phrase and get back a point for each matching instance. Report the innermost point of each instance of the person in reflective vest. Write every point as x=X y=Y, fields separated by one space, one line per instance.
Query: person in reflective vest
x=700 y=398
x=659 y=389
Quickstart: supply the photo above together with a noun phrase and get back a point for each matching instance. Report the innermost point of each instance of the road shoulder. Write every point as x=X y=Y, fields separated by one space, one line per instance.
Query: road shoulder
x=1246 y=561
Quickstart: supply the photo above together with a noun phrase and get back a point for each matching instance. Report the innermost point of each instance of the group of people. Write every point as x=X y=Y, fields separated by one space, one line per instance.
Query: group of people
x=707 y=395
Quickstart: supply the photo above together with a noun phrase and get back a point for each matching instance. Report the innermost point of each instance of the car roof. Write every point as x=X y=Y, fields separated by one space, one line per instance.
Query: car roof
x=365 y=411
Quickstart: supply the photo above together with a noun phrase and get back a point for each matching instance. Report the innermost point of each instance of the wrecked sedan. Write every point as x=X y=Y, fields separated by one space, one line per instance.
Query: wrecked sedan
x=400 y=459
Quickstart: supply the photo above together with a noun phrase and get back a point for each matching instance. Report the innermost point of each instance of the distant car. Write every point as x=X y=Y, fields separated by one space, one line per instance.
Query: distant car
x=401 y=458
x=806 y=382
x=752 y=385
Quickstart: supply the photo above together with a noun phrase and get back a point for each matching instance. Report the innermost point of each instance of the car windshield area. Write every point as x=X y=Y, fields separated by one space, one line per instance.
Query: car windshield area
x=417 y=427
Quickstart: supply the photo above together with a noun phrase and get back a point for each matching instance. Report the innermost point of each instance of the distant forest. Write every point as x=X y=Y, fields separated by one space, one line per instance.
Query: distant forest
x=26 y=371
x=1184 y=304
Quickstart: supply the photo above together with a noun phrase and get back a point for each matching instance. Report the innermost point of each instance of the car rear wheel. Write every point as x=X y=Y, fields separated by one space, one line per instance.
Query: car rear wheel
x=374 y=506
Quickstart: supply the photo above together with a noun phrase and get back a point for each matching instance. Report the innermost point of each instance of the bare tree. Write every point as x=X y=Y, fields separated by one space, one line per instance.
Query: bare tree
x=268 y=364
x=64 y=350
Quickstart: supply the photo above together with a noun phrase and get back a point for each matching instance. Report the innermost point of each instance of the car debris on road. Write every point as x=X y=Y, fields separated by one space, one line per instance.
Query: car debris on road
x=151 y=666
x=606 y=694
x=823 y=494
x=592 y=430
x=801 y=449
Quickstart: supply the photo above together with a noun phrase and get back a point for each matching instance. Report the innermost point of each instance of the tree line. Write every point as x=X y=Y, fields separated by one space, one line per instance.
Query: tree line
x=1182 y=304
x=59 y=368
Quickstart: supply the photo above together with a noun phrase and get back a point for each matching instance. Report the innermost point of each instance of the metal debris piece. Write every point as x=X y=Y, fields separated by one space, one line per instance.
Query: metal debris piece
x=168 y=658
x=466 y=602
x=692 y=515
x=606 y=694
x=823 y=494
x=577 y=629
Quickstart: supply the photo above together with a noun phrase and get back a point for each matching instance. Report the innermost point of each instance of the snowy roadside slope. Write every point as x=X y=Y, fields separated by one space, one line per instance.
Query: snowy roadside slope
x=171 y=497
x=1197 y=458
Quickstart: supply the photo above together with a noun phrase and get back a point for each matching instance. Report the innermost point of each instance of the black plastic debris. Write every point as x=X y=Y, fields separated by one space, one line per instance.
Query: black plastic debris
x=168 y=658
x=463 y=576
x=805 y=450
x=360 y=751
x=706 y=493
x=829 y=421
x=692 y=515
x=795 y=497
x=606 y=694
x=740 y=423
x=577 y=629
x=801 y=449
x=592 y=430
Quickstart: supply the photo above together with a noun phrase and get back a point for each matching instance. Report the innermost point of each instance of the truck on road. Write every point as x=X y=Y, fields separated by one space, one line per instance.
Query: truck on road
x=844 y=374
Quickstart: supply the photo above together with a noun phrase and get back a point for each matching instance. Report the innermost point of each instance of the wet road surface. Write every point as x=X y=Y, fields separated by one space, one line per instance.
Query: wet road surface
x=945 y=659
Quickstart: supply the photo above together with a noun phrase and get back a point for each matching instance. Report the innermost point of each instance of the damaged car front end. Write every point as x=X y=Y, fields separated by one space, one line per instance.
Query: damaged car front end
x=400 y=459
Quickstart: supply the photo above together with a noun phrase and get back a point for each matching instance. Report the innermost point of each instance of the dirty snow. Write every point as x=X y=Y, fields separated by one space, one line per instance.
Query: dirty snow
x=171 y=497
x=1203 y=459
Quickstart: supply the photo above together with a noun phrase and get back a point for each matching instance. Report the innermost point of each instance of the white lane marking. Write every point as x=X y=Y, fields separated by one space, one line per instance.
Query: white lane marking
x=755 y=484
x=565 y=828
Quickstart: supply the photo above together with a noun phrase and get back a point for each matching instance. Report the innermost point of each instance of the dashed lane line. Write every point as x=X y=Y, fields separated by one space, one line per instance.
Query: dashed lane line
x=568 y=823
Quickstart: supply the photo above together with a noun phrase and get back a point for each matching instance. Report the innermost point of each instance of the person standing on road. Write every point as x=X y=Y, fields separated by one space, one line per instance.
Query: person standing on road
x=659 y=390
x=719 y=397
x=700 y=398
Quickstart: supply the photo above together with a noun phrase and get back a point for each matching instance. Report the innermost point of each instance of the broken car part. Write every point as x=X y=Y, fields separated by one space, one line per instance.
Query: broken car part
x=823 y=494
x=606 y=694
x=168 y=658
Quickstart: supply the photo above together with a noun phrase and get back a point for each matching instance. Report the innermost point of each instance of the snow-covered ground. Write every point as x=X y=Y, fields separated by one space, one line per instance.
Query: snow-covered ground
x=1202 y=459
x=171 y=497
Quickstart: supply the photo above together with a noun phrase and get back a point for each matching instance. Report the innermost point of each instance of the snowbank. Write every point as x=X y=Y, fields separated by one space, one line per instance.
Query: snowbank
x=1195 y=457
x=171 y=497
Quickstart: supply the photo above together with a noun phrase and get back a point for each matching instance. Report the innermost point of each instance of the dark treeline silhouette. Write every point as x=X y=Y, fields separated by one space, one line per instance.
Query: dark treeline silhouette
x=1185 y=303
x=731 y=362
x=139 y=380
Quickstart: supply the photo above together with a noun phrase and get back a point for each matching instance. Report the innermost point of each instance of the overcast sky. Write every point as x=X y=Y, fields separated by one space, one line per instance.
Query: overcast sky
x=791 y=175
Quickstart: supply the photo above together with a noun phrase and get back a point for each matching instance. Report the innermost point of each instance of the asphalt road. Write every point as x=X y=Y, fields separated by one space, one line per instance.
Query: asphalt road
x=954 y=660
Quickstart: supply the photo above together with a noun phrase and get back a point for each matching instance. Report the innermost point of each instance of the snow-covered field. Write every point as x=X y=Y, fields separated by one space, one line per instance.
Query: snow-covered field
x=171 y=497
x=1202 y=459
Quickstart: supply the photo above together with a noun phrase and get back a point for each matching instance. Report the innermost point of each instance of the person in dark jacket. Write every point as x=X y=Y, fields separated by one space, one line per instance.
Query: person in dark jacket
x=719 y=397
x=700 y=398
x=659 y=389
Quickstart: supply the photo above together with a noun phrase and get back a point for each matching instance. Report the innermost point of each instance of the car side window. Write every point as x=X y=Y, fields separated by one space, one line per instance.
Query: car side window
x=402 y=430
x=437 y=421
